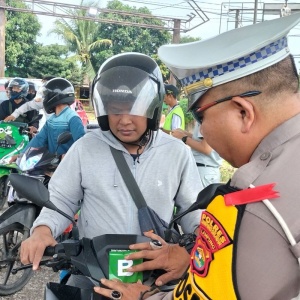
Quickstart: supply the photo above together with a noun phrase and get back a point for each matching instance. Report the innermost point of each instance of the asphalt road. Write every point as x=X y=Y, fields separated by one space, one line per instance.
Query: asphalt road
x=34 y=290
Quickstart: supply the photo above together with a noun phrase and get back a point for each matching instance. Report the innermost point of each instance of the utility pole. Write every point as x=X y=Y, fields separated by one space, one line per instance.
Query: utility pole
x=255 y=12
x=175 y=40
x=2 y=38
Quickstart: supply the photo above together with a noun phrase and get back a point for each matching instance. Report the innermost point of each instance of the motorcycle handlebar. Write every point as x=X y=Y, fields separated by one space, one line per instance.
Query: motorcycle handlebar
x=50 y=251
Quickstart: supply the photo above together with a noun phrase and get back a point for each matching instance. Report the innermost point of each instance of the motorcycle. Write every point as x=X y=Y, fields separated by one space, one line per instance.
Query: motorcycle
x=99 y=257
x=14 y=136
x=16 y=220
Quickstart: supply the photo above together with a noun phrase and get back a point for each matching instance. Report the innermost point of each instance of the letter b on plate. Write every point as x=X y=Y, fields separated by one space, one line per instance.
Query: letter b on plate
x=118 y=266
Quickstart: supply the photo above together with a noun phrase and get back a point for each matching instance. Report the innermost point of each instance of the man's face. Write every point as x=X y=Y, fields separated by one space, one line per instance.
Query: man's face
x=125 y=127
x=16 y=89
x=219 y=127
x=167 y=99
x=31 y=91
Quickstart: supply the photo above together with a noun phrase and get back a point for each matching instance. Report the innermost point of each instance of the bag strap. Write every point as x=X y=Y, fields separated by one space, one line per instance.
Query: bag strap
x=128 y=178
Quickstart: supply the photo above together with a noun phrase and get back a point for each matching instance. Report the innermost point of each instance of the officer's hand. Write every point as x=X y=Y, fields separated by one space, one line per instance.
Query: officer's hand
x=9 y=118
x=170 y=257
x=32 y=249
x=126 y=291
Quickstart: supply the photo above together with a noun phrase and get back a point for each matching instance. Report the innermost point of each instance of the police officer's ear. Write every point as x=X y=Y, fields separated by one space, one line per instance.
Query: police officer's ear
x=246 y=113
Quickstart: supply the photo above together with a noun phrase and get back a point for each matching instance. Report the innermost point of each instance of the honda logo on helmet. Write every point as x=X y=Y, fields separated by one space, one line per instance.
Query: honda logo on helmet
x=122 y=91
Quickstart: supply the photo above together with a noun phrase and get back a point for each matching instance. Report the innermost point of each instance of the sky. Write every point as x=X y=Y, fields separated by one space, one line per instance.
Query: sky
x=220 y=14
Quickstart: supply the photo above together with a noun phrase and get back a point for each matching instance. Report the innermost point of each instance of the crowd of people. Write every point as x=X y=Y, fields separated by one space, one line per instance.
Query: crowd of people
x=246 y=104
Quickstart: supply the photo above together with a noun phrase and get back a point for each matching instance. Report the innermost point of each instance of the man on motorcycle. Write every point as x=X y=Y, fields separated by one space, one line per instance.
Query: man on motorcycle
x=35 y=103
x=18 y=90
x=58 y=95
x=128 y=94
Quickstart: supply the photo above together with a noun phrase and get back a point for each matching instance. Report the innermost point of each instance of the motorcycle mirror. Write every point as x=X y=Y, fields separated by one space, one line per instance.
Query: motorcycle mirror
x=64 y=137
x=30 y=188
x=35 y=191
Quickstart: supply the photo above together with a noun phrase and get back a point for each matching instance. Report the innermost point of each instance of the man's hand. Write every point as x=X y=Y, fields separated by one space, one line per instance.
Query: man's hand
x=9 y=118
x=32 y=249
x=170 y=257
x=33 y=130
x=13 y=158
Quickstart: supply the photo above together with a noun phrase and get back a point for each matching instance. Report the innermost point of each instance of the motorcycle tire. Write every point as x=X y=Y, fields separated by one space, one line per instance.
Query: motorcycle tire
x=3 y=191
x=10 y=242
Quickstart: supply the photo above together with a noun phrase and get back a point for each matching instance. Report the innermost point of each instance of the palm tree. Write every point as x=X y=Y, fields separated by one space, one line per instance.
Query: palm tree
x=81 y=38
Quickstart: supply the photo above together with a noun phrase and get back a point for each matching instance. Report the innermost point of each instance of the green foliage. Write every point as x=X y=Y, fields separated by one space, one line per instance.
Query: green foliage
x=226 y=171
x=21 y=31
x=82 y=39
x=130 y=38
x=164 y=70
x=188 y=39
x=183 y=102
x=53 y=60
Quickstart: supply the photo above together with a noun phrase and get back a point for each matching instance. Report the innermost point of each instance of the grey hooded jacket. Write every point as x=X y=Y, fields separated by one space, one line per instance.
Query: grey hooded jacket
x=166 y=174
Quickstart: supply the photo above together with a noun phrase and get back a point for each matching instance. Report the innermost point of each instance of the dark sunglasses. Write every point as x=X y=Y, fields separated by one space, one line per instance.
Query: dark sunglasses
x=197 y=112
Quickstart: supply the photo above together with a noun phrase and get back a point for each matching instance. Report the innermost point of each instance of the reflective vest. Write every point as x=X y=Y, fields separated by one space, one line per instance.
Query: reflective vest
x=213 y=255
x=212 y=273
x=177 y=110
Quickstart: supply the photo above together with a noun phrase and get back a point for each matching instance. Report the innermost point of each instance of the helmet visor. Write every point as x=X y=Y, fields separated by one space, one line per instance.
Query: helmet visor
x=125 y=90
x=49 y=91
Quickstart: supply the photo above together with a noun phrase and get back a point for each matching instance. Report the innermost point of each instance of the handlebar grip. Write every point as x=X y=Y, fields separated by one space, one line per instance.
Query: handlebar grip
x=50 y=251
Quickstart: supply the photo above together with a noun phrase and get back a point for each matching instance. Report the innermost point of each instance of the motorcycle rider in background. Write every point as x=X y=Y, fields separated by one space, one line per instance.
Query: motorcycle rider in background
x=128 y=96
x=18 y=90
x=35 y=103
x=58 y=95
x=31 y=91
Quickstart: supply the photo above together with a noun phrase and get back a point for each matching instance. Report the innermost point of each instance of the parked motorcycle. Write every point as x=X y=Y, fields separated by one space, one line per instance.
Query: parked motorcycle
x=16 y=221
x=99 y=257
x=14 y=136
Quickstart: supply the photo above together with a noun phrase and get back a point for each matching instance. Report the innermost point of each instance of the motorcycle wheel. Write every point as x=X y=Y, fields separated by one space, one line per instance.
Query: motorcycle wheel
x=10 y=242
x=3 y=194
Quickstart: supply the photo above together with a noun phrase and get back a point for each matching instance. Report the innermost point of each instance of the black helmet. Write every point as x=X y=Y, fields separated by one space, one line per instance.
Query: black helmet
x=21 y=84
x=57 y=91
x=131 y=78
x=31 y=86
x=31 y=91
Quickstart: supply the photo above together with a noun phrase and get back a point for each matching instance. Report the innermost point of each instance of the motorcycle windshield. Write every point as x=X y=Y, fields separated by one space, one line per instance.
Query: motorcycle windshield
x=31 y=158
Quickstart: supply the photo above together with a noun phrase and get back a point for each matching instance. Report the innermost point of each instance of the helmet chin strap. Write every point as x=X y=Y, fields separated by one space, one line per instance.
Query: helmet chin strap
x=144 y=139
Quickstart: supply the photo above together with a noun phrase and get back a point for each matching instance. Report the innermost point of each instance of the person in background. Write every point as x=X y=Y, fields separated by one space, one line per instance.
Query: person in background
x=175 y=116
x=36 y=103
x=128 y=119
x=58 y=95
x=31 y=92
x=246 y=98
x=18 y=90
x=207 y=160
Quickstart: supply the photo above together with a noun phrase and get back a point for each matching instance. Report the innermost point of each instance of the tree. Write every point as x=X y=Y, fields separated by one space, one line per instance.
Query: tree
x=188 y=39
x=82 y=39
x=53 y=60
x=20 y=40
x=130 y=38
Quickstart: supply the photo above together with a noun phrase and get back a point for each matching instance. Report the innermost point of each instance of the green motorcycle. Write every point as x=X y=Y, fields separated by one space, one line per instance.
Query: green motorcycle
x=14 y=136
